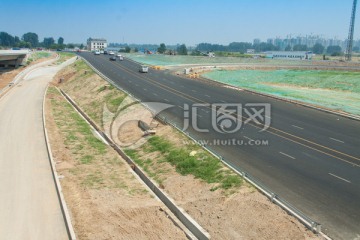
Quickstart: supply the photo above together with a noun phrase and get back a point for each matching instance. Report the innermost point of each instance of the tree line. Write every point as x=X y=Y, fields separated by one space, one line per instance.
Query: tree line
x=31 y=40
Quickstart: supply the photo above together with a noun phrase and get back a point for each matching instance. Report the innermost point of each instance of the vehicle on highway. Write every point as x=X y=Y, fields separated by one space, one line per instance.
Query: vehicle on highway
x=112 y=58
x=101 y=52
x=105 y=52
x=121 y=58
x=111 y=53
x=144 y=69
x=97 y=53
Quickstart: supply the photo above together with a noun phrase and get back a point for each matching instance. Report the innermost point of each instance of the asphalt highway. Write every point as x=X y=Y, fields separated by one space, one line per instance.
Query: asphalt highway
x=308 y=157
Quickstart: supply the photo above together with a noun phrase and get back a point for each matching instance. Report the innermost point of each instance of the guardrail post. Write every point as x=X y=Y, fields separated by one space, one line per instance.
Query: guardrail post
x=318 y=228
x=273 y=196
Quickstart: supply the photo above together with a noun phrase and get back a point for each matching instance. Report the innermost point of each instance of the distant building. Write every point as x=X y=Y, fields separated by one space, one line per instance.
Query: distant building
x=96 y=44
x=256 y=41
x=290 y=55
x=250 y=51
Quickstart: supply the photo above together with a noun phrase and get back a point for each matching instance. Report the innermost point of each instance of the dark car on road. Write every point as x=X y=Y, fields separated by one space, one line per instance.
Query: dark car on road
x=112 y=58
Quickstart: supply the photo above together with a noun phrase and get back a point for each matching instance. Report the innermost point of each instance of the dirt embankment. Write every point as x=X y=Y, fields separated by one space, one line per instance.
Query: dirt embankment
x=226 y=207
x=105 y=199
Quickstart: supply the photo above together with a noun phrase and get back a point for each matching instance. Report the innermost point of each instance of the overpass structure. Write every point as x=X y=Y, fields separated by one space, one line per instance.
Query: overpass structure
x=12 y=58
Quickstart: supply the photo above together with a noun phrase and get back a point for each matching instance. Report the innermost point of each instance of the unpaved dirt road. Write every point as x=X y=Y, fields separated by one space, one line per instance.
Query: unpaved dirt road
x=29 y=206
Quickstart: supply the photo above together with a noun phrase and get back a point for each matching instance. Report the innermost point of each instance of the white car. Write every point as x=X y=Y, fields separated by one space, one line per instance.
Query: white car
x=144 y=69
x=97 y=52
x=111 y=53
x=121 y=58
x=102 y=51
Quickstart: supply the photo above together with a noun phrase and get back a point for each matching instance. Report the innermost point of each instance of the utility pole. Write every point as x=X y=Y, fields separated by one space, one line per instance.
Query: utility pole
x=351 y=33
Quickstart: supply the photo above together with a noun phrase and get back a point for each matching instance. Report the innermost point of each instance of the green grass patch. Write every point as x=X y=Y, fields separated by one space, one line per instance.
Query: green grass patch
x=338 y=90
x=106 y=94
x=74 y=127
x=202 y=165
x=93 y=180
x=87 y=159
x=63 y=56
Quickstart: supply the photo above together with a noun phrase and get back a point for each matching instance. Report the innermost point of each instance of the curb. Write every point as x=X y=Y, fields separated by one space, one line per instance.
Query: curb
x=64 y=208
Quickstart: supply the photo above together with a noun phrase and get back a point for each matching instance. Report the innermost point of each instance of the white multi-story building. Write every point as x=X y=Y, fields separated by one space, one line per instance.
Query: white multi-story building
x=96 y=44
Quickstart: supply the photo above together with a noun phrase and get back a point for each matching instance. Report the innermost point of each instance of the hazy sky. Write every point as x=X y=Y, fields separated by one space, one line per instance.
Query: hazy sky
x=176 y=21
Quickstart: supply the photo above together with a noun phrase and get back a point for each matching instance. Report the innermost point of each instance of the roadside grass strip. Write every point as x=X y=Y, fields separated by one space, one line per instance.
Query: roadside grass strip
x=96 y=165
x=202 y=165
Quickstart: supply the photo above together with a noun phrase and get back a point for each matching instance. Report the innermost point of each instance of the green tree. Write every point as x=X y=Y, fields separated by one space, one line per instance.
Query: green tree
x=60 y=41
x=318 y=48
x=70 y=45
x=288 y=48
x=32 y=38
x=182 y=50
x=127 y=49
x=196 y=53
x=162 y=48
x=356 y=49
x=136 y=50
x=300 y=47
x=6 y=39
x=334 y=50
x=81 y=46
x=23 y=44
x=55 y=46
x=17 y=40
x=48 y=42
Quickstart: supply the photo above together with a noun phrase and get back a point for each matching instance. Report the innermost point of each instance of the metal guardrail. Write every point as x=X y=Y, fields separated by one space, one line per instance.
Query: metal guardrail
x=275 y=198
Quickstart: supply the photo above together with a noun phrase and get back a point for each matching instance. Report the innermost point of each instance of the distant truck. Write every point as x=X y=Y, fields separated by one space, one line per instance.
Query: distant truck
x=144 y=69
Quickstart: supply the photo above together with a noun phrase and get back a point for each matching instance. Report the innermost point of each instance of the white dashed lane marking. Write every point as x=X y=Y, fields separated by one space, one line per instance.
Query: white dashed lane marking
x=287 y=155
x=343 y=179
x=337 y=140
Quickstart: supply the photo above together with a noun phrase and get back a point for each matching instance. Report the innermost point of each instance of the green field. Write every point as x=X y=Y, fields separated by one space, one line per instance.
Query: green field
x=167 y=60
x=332 y=89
